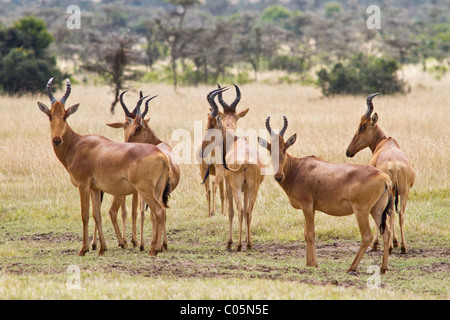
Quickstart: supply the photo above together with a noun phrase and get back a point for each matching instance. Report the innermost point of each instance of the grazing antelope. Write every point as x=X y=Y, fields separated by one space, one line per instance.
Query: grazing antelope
x=97 y=164
x=336 y=189
x=386 y=156
x=141 y=132
x=243 y=163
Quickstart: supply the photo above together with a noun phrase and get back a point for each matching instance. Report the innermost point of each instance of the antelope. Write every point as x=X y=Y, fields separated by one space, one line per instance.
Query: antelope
x=243 y=165
x=129 y=116
x=386 y=156
x=141 y=132
x=312 y=183
x=210 y=169
x=97 y=164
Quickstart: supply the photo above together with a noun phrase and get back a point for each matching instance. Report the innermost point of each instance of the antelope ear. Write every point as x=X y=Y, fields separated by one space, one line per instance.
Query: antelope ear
x=72 y=110
x=147 y=120
x=44 y=108
x=291 y=141
x=374 y=119
x=263 y=142
x=243 y=113
x=117 y=125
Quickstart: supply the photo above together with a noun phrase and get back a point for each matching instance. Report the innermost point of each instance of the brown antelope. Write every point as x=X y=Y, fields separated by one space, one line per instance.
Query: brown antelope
x=129 y=116
x=97 y=164
x=386 y=156
x=243 y=163
x=336 y=189
x=211 y=169
x=141 y=132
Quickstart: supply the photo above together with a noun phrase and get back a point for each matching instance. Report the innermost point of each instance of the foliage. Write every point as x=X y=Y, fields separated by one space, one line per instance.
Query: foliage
x=360 y=75
x=24 y=64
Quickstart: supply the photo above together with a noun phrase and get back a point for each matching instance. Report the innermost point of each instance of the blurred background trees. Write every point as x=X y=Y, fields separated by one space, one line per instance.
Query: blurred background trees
x=188 y=42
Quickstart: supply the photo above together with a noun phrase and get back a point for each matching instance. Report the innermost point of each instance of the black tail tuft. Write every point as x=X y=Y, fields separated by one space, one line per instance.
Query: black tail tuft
x=206 y=175
x=101 y=196
x=387 y=212
x=166 y=194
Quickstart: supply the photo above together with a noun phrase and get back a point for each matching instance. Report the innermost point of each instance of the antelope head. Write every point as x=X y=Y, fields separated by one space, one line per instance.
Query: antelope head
x=228 y=118
x=129 y=116
x=57 y=114
x=278 y=147
x=365 y=134
x=139 y=131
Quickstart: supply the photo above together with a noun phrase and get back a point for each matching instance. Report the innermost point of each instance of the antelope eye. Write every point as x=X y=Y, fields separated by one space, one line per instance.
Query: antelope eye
x=361 y=128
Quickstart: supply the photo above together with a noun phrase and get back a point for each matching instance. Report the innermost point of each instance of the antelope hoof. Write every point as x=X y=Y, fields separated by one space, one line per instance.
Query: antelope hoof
x=383 y=270
x=249 y=247
x=153 y=253
x=390 y=250
x=229 y=246
x=404 y=251
x=134 y=242
x=94 y=246
x=164 y=247
x=141 y=248
x=212 y=214
x=101 y=252
x=239 y=248
x=82 y=252
x=395 y=243
x=375 y=247
x=352 y=273
x=123 y=245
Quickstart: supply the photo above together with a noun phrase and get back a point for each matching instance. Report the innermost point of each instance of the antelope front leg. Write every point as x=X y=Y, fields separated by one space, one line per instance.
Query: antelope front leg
x=310 y=237
x=84 y=198
x=134 y=205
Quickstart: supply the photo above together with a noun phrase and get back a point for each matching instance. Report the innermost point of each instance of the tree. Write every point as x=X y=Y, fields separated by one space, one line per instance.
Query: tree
x=112 y=59
x=25 y=65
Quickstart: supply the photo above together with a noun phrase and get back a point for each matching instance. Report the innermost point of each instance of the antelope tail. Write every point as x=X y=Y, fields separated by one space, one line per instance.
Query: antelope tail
x=166 y=193
x=387 y=211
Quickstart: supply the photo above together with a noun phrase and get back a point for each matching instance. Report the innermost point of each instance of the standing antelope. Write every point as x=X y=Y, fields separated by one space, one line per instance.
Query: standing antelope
x=243 y=163
x=97 y=164
x=386 y=156
x=336 y=189
x=129 y=116
x=141 y=132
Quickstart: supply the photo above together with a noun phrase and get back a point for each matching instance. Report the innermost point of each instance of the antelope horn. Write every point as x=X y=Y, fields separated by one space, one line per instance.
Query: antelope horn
x=224 y=105
x=268 y=126
x=236 y=101
x=67 y=93
x=124 y=107
x=285 y=125
x=146 y=106
x=210 y=97
x=137 y=110
x=139 y=103
x=49 y=91
x=370 y=104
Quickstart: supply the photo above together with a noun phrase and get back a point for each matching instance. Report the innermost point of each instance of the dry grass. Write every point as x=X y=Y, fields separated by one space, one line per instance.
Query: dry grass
x=37 y=193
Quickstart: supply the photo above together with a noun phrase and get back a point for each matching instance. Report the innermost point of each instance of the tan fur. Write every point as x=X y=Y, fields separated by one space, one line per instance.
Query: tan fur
x=138 y=130
x=314 y=184
x=97 y=164
x=386 y=156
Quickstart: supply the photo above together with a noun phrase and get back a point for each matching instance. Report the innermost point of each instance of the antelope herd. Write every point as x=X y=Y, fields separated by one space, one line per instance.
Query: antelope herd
x=145 y=167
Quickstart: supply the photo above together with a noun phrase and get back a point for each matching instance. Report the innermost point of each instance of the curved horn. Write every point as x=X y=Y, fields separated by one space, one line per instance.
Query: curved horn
x=49 y=91
x=146 y=106
x=67 y=93
x=139 y=103
x=210 y=97
x=137 y=110
x=268 y=126
x=236 y=101
x=224 y=105
x=124 y=107
x=285 y=125
x=370 y=104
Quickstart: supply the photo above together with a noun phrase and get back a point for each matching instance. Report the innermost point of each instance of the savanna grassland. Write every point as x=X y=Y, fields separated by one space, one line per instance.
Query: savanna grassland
x=41 y=230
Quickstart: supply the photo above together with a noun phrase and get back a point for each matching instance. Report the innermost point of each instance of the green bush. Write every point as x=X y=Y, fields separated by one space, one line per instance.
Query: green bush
x=360 y=75
x=24 y=63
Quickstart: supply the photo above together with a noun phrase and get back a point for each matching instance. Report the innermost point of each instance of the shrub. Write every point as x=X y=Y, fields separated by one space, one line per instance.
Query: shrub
x=360 y=75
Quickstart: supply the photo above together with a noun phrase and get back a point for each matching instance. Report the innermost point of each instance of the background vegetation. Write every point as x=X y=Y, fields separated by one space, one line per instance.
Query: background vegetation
x=189 y=42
